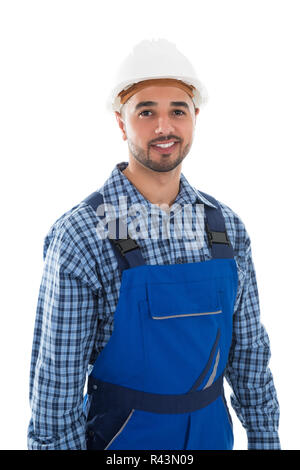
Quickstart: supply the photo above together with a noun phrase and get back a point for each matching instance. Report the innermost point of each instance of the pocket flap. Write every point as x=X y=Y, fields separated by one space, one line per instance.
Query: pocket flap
x=169 y=300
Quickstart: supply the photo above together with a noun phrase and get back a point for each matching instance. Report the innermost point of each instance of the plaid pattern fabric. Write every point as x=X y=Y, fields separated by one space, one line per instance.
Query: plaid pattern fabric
x=78 y=296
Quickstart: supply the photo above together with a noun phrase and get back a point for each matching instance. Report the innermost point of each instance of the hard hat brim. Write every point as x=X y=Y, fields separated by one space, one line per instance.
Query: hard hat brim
x=200 y=93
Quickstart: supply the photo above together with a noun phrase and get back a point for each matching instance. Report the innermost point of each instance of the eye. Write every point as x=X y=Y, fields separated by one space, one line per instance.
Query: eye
x=147 y=111
x=179 y=111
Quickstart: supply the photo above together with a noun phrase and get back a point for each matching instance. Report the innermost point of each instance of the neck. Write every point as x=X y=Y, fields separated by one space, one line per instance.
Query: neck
x=160 y=188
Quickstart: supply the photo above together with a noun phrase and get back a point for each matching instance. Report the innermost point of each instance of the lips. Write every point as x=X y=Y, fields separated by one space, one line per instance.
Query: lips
x=165 y=149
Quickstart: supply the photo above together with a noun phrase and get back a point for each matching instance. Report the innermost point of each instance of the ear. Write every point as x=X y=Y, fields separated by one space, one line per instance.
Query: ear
x=121 y=124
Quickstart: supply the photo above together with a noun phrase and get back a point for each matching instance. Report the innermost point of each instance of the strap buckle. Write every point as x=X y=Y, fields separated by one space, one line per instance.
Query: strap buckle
x=125 y=244
x=216 y=237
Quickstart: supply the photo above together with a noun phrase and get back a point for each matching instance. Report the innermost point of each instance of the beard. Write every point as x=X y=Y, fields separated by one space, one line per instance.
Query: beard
x=160 y=162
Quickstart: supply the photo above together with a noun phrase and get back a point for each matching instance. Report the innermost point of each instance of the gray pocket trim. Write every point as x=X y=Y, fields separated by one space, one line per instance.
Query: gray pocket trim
x=187 y=315
x=120 y=430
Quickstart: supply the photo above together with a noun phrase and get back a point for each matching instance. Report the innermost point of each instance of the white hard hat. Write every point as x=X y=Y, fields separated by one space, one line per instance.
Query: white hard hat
x=155 y=59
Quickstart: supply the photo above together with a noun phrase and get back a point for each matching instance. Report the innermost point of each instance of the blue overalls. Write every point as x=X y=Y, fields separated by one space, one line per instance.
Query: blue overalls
x=158 y=382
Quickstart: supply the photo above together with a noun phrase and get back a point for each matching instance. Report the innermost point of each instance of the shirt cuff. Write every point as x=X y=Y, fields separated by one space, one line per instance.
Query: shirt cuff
x=263 y=440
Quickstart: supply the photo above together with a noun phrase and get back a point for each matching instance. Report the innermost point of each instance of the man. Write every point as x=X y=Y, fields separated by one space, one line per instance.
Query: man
x=156 y=316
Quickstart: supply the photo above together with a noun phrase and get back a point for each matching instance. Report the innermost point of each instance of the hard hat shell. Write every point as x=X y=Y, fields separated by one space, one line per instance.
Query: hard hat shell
x=152 y=59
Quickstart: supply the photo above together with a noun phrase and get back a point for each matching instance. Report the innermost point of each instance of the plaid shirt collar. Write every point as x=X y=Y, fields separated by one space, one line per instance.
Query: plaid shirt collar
x=118 y=186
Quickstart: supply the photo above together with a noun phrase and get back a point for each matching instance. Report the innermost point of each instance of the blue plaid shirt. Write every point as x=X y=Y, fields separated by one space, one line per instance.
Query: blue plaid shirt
x=75 y=309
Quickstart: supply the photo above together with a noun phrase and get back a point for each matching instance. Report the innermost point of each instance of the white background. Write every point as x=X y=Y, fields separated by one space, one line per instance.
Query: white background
x=58 y=144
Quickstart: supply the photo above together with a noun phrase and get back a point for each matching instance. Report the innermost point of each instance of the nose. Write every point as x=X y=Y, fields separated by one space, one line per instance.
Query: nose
x=164 y=126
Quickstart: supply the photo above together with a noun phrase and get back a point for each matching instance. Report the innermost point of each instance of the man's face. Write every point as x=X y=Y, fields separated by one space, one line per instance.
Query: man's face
x=158 y=114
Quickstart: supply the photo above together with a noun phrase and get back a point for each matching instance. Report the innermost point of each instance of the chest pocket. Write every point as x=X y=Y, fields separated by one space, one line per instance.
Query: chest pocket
x=183 y=299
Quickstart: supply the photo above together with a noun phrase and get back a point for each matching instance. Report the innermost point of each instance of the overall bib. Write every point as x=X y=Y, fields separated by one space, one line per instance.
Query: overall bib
x=158 y=382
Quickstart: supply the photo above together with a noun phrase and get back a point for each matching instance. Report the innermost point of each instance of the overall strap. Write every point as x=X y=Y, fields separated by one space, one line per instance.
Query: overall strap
x=126 y=249
x=216 y=231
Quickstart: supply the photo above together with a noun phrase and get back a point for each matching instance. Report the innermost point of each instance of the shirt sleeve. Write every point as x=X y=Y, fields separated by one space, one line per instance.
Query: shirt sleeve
x=64 y=335
x=254 y=396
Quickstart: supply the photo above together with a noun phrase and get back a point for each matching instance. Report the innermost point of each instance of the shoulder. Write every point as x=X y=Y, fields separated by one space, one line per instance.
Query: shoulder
x=235 y=227
x=74 y=242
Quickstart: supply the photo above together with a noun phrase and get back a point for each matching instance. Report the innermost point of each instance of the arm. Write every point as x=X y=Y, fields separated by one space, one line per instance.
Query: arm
x=254 y=398
x=64 y=335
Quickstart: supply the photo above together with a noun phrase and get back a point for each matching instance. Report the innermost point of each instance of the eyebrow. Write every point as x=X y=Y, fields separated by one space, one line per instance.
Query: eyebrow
x=142 y=104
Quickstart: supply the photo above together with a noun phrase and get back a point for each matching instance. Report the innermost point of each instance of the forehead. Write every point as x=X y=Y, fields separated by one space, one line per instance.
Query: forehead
x=163 y=95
